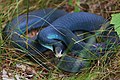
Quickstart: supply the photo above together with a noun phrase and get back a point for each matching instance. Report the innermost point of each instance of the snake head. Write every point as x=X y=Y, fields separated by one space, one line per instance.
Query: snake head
x=58 y=48
x=58 y=52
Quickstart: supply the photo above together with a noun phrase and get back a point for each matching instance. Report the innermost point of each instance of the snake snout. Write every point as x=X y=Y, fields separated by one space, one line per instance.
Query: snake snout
x=59 y=48
x=58 y=52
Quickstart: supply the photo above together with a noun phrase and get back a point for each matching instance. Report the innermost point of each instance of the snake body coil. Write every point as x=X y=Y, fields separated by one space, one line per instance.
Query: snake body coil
x=36 y=19
x=73 y=21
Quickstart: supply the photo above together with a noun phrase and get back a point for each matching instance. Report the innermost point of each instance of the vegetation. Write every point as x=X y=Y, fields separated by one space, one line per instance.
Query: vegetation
x=17 y=65
x=115 y=20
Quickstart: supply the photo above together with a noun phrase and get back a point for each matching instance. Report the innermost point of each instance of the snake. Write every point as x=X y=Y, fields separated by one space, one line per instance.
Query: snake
x=60 y=30
x=58 y=34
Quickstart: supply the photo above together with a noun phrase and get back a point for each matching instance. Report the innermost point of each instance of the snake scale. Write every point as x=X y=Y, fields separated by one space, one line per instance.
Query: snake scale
x=60 y=34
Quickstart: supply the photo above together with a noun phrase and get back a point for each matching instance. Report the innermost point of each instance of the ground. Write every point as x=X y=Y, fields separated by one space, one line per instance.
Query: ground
x=16 y=66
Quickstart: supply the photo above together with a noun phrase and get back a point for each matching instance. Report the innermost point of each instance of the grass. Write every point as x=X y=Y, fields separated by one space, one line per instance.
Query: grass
x=9 y=57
